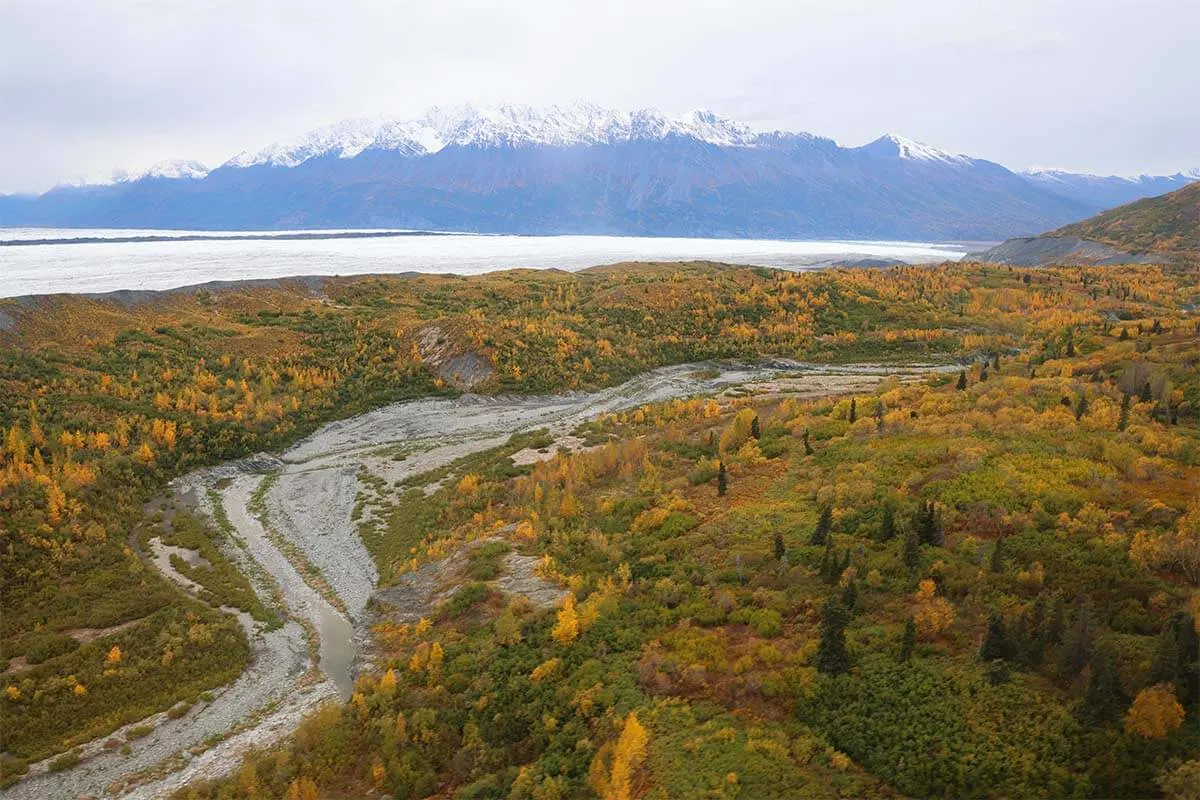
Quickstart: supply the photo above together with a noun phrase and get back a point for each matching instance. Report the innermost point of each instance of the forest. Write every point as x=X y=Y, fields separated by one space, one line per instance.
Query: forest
x=978 y=584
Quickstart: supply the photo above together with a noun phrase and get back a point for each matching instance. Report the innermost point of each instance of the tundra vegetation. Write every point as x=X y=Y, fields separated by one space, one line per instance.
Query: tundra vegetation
x=980 y=584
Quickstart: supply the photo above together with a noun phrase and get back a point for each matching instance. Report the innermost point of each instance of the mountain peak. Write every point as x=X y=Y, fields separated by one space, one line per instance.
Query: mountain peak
x=503 y=125
x=892 y=145
x=170 y=169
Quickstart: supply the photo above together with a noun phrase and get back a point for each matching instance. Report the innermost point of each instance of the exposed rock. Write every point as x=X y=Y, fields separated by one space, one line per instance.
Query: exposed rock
x=1042 y=251
x=460 y=370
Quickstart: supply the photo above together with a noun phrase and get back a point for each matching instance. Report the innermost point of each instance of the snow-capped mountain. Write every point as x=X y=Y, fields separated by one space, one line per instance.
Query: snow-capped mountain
x=583 y=169
x=1107 y=191
x=498 y=126
x=894 y=146
x=175 y=169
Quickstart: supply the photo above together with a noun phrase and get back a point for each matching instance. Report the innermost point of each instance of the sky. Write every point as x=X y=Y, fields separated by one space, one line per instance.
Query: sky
x=89 y=86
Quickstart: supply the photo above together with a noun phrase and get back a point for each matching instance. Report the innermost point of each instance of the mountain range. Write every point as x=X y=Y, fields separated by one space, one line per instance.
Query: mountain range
x=590 y=170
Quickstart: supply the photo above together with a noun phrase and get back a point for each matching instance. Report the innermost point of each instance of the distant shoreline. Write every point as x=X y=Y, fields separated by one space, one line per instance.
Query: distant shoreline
x=212 y=237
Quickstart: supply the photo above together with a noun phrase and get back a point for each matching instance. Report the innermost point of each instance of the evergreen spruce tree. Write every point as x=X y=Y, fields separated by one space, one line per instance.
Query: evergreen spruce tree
x=983 y=376
x=808 y=451
x=722 y=480
x=962 y=380
x=996 y=361
x=1031 y=642
x=1055 y=622
x=996 y=644
x=1146 y=395
x=1105 y=698
x=887 y=527
x=850 y=597
x=755 y=430
x=909 y=640
x=997 y=562
x=820 y=534
x=832 y=656
x=780 y=550
x=1124 y=337
x=853 y=410
x=1081 y=407
x=1177 y=658
x=1123 y=422
x=826 y=558
x=929 y=525
x=1070 y=346
x=1077 y=645
x=911 y=550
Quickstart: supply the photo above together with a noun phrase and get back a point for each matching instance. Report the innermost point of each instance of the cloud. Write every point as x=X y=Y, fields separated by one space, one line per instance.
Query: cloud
x=90 y=85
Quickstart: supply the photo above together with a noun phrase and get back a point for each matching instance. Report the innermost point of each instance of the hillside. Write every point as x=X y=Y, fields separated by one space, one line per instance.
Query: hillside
x=785 y=588
x=1152 y=230
x=1169 y=223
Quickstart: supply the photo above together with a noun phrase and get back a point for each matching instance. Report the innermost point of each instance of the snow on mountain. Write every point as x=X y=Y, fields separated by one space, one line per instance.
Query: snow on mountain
x=894 y=146
x=498 y=126
x=1106 y=191
x=1051 y=175
x=171 y=169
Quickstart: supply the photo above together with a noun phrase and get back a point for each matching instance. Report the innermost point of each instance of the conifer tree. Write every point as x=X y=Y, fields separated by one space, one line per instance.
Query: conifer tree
x=850 y=596
x=997 y=562
x=1146 y=395
x=1105 y=697
x=996 y=361
x=826 y=558
x=755 y=430
x=722 y=480
x=832 y=656
x=1077 y=645
x=1081 y=407
x=1030 y=641
x=1123 y=422
x=1177 y=658
x=996 y=644
x=1124 y=337
x=820 y=534
x=911 y=550
x=962 y=380
x=929 y=525
x=780 y=550
x=808 y=451
x=887 y=526
x=909 y=640
x=853 y=410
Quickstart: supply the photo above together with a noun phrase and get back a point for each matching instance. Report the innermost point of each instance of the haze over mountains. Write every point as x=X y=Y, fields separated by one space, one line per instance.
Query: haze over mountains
x=587 y=169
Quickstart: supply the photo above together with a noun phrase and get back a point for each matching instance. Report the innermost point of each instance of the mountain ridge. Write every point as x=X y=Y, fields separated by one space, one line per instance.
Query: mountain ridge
x=573 y=169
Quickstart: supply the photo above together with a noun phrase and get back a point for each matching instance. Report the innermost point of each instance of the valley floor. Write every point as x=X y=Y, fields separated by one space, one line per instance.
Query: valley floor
x=296 y=533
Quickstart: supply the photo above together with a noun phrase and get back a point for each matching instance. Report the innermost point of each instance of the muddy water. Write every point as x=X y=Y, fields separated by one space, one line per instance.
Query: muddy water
x=338 y=650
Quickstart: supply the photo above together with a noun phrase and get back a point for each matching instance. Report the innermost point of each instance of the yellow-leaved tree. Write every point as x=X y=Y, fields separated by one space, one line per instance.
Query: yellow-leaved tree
x=1155 y=712
x=616 y=782
x=302 y=789
x=932 y=613
x=566 y=629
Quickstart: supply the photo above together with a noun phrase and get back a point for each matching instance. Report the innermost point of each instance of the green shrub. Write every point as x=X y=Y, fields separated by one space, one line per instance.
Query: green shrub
x=766 y=622
x=45 y=646
x=65 y=761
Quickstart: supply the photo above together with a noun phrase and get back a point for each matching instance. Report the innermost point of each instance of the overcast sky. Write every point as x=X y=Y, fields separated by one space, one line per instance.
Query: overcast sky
x=87 y=86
